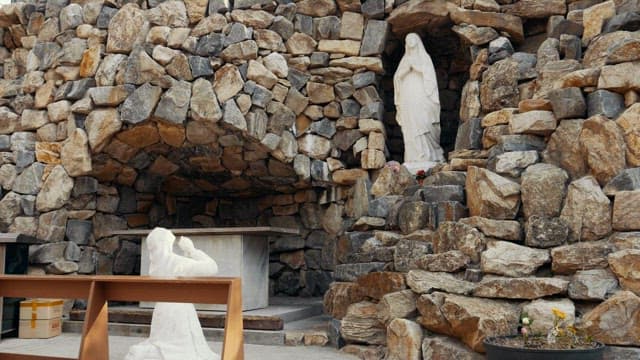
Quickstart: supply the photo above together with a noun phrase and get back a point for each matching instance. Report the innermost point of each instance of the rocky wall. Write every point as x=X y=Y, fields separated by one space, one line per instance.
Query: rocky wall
x=132 y=114
x=537 y=206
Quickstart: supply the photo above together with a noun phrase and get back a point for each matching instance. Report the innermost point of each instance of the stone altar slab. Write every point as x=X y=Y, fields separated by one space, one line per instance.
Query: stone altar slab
x=242 y=252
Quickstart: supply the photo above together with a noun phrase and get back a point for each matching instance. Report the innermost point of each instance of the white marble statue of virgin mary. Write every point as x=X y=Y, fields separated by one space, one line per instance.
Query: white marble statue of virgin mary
x=418 y=106
x=176 y=333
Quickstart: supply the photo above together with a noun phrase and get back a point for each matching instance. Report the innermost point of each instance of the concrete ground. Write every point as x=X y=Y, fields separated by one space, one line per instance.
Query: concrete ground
x=66 y=345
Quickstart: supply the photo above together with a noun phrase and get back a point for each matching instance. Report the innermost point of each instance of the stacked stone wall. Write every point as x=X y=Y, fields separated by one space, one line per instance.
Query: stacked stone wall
x=134 y=114
x=535 y=209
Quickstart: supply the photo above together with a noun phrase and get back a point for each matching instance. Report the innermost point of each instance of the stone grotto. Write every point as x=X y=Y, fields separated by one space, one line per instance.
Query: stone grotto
x=131 y=114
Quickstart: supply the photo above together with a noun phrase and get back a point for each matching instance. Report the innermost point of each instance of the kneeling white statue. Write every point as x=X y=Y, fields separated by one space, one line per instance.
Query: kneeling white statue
x=418 y=106
x=176 y=333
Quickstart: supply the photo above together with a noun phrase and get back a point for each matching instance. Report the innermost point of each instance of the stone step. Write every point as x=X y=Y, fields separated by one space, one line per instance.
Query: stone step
x=261 y=327
x=256 y=337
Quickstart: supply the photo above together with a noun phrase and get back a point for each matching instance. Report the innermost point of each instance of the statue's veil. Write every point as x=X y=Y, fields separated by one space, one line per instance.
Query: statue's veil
x=421 y=61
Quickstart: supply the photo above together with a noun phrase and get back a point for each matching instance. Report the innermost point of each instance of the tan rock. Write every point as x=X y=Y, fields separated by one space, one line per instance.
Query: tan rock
x=316 y=8
x=212 y=23
x=615 y=321
x=466 y=318
x=127 y=27
x=459 y=236
x=361 y=324
x=616 y=77
x=75 y=155
x=596 y=284
x=173 y=135
x=196 y=9
x=268 y=39
x=140 y=136
x=626 y=265
x=401 y=304
x=377 y=284
x=392 y=181
x=629 y=122
x=536 y=8
x=624 y=52
x=314 y=146
x=533 y=122
x=500 y=117
x=419 y=14
x=240 y=52
x=48 y=152
x=261 y=75
x=90 y=61
x=448 y=261
x=316 y=338
x=228 y=82
x=348 y=176
x=55 y=191
x=59 y=111
x=404 y=340
x=587 y=211
x=499 y=21
x=509 y=259
x=363 y=351
x=568 y=259
x=424 y=282
x=101 y=125
x=579 y=78
x=300 y=44
x=351 y=26
x=520 y=288
x=626 y=207
x=347 y=47
x=501 y=229
x=543 y=188
x=444 y=347
x=594 y=17
x=179 y=67
x=320 y=93
x=257 y=19
x=597 y=53
x=358 y=62
x=471 y=101
x=499 y=87
x=564 y=149
x=490 y=195
x=372 y=159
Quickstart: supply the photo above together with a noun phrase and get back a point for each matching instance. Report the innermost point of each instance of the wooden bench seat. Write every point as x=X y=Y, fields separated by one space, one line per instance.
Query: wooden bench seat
x=99 y=289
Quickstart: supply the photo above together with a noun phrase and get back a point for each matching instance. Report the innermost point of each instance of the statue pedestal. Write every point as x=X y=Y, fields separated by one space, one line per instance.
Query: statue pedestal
x=414 y=167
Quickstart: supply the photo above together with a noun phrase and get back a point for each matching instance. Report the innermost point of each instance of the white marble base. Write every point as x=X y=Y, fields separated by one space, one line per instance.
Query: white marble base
x=245 y=256
x=414 y=167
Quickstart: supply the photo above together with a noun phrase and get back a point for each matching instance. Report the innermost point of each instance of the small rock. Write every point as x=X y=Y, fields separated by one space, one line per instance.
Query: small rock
x=424 y=282
x=611 y=322
x=483 y=185
x=586 y=210
x=596 y=284
x=505 y=258
x=520 y=288
x=588 y=255
x=404 y=340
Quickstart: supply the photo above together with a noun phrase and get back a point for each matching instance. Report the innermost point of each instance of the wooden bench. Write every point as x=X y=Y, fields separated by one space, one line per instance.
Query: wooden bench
x=99 y=289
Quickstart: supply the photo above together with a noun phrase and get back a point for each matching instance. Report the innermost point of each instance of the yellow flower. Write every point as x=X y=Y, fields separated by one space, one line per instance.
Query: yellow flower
x=559 y=313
